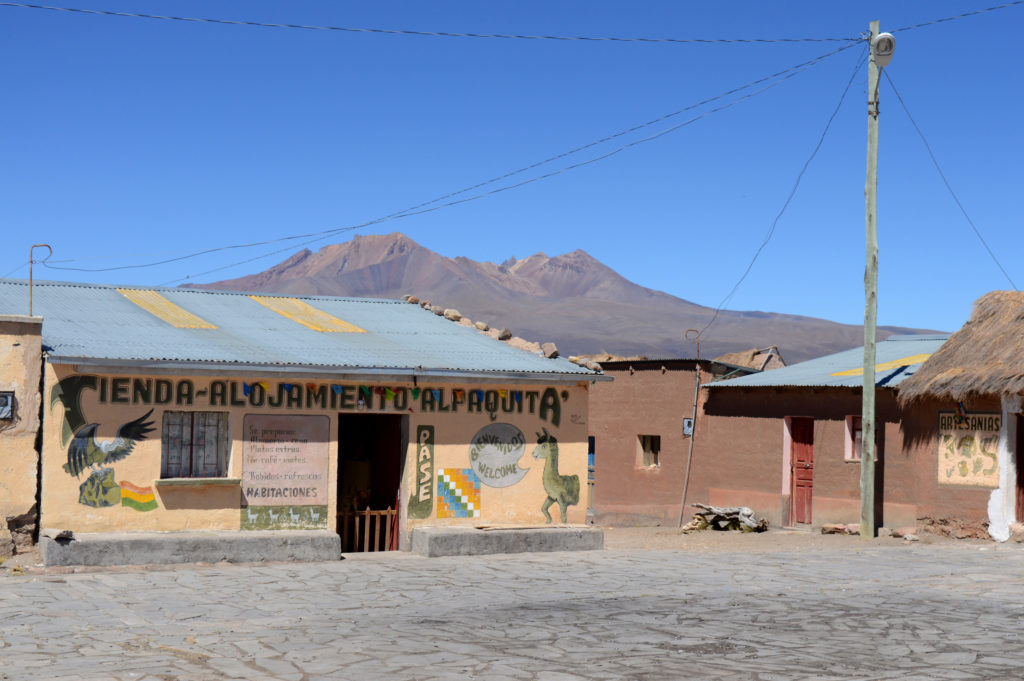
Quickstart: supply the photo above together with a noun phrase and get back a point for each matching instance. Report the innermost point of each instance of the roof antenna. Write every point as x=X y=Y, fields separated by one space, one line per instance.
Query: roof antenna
x=696 y=335
x=30 y=261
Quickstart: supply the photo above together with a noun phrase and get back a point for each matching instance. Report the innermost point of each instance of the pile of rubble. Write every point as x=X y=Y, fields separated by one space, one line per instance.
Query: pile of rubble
x=722 y=518
x=548 y=350
x=16 y=533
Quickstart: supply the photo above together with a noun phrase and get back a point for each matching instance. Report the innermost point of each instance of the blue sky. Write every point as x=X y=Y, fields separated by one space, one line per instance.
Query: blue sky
x=126 y=141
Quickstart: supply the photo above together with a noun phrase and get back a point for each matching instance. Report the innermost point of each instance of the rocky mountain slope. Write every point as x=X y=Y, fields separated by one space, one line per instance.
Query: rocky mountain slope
x=572 y=299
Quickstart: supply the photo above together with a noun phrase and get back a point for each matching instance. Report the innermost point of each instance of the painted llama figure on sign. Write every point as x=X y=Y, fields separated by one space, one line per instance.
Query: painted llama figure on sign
x=562 y=489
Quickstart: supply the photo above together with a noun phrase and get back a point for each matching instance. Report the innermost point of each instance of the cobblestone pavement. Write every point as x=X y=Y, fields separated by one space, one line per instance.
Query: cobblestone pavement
x=906 y=612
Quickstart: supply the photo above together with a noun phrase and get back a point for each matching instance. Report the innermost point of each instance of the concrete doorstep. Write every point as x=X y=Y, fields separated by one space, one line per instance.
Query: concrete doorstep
x=432 y=542
x=156 y=548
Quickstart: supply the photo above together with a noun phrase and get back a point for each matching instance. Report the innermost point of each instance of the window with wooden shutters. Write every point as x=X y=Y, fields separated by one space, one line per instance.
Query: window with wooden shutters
x=194 y=444
x=649 y=450
x=851 y=451
x=853 y=439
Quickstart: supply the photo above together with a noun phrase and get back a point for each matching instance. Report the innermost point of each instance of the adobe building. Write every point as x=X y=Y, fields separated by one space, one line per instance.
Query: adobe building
x=639 y=437
x=970 y=394
x=134 y=411
x=786 y=443
x=20 y=406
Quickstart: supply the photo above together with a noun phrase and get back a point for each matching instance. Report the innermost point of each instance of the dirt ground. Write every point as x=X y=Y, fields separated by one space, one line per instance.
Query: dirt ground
x=670 y=538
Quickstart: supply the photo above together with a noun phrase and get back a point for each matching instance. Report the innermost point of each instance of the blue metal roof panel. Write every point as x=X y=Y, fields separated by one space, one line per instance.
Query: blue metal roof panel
x=896 y=358
x=97 y=322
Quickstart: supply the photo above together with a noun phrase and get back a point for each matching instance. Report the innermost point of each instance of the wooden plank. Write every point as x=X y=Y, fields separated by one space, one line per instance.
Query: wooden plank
x=355 y=531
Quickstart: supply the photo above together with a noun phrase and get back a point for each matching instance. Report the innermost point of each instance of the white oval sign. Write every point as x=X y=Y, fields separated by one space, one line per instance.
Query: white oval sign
x=495 y=452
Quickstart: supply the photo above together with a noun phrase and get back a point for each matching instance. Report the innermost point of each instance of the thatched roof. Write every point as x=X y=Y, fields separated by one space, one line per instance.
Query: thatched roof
x=762 y=360
x=985 y=357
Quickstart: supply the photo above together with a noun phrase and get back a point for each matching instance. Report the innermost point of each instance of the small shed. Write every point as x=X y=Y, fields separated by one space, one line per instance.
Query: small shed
x=132 y=410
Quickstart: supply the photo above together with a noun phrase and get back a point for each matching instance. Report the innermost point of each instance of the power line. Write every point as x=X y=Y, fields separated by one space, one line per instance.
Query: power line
x=960 y=16
x=434 y=34
x=945 y=181
x=415 y=210
x=14 y=270
x=789 y=199
x=635 y=128
x=397 y=216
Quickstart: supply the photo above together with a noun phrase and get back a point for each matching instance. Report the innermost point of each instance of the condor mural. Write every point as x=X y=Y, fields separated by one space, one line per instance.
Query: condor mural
x=87 y=452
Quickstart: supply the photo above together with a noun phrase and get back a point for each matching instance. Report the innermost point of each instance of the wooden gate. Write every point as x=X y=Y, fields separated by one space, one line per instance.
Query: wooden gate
x=368 y=530
x=802 y=463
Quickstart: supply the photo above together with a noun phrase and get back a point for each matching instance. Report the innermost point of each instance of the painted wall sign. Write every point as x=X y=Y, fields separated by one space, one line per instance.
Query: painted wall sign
x=458 y=493
x=421 y=499
x=546 y=404
x=968 y=449
x=284 y=471
x=494 y=454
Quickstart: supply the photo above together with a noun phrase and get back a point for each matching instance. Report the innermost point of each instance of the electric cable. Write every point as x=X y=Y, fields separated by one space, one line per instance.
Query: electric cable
x=396 y=216
x=14 y=270
x=945 y=181
x=792 y=193
x=960 y=16
x=434 y=34
x=416 y=210
x=809 y=62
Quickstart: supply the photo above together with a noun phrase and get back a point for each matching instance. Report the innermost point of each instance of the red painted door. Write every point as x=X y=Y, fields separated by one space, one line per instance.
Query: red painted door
x=802 y=457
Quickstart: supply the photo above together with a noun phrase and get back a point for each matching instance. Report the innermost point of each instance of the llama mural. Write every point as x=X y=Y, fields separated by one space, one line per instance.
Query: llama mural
x=562 y=489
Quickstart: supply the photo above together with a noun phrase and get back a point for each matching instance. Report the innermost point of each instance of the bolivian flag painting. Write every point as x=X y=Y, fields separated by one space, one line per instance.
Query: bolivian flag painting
x=139 y=498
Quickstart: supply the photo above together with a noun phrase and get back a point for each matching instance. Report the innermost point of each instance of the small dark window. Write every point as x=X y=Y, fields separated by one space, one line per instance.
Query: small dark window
x=195 y=444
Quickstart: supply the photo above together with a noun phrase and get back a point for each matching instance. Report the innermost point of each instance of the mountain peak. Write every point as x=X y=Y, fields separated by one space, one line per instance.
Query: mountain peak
x=571 y=299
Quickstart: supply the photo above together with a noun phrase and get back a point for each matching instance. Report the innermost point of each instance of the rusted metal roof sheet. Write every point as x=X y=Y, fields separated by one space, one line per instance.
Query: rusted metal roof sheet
x=190 y=328
x=896 y=358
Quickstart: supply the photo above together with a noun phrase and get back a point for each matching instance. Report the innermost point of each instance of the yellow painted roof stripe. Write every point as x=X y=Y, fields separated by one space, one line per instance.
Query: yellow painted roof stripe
x=163 y=309
x=303 y=313
x=885 y=366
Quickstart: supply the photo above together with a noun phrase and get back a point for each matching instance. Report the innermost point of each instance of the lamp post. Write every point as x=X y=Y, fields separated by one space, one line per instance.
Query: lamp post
x=882 y=45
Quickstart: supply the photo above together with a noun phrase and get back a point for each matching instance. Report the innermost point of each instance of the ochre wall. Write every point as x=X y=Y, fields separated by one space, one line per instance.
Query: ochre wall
x=647 y=399
x=20 y=368
x=455 y=416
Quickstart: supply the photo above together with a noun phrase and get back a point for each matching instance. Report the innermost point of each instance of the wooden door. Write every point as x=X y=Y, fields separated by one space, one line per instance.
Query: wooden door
x=802 y=464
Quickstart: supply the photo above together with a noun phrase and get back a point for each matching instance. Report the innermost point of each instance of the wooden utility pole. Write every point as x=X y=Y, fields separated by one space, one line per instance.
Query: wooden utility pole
x=867 y=419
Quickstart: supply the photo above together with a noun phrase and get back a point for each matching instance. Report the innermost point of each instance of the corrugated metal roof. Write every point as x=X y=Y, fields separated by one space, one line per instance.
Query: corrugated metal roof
x=896 y=358
x=652 y=363
x=97 y=323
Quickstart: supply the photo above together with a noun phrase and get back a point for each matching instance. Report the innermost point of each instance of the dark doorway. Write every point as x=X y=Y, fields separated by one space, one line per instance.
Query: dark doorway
x=1019 y=452
x=370 y=456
